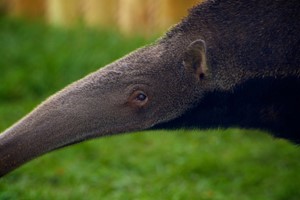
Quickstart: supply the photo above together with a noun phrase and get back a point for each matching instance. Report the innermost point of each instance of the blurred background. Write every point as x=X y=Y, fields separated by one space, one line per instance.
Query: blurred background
x=47 y=44
x=128 y=16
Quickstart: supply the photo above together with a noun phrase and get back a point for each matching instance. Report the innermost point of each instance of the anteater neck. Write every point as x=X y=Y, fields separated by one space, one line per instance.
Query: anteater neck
x=269 y=104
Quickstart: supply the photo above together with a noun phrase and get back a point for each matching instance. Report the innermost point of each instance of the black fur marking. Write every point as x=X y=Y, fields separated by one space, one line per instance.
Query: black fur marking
x=269 y=104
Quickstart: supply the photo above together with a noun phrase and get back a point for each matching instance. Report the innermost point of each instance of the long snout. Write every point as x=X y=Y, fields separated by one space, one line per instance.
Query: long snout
x=70 y=116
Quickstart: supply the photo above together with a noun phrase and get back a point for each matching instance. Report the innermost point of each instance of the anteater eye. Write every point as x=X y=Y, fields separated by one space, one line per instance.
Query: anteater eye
x=141 y=97
x=138 y=98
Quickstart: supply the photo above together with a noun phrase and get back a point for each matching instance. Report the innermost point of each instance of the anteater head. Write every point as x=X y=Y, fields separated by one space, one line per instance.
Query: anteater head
x=152 y=85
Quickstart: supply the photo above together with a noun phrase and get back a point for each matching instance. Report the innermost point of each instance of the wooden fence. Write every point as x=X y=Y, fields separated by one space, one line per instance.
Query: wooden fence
x=129 y=16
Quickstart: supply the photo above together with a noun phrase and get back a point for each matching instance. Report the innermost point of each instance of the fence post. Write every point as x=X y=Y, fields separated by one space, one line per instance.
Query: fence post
x=137 y=16
x=172 y=11
x=63 y=12
x=100 y=13
x=25 y=8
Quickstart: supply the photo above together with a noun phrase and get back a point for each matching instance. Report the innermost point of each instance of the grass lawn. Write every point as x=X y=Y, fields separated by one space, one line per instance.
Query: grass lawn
x=37 y=60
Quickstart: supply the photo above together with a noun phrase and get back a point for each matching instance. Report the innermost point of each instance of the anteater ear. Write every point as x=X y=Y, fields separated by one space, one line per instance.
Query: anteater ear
x=195 y=59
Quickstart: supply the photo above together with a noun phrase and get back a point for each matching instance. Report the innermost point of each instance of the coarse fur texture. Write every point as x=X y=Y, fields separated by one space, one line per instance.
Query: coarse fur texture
x=253 y=55
x=229 y=63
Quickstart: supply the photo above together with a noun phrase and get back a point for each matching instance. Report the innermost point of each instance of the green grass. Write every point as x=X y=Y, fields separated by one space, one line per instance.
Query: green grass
x=37 y=60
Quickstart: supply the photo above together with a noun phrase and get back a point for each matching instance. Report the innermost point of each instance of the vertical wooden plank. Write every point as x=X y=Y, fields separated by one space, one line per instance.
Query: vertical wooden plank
x=136 y=16
x=148 y=16
x=4 y=7
x=99 y=13
x=63 y=12
x=172 y=11
x=26 y=8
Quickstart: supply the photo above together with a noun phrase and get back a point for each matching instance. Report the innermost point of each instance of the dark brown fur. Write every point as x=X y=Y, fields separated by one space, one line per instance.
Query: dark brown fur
x=253 y=57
